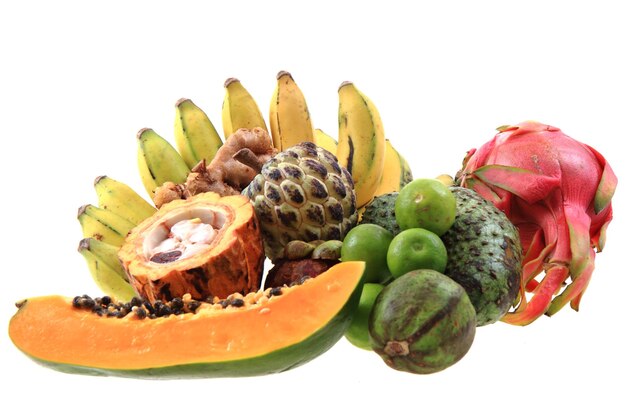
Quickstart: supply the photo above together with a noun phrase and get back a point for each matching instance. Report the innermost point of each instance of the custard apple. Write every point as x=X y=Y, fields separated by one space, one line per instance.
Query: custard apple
x=302 y=193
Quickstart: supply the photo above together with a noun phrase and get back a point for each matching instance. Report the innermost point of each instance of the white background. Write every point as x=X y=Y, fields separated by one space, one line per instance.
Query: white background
x=77 y=81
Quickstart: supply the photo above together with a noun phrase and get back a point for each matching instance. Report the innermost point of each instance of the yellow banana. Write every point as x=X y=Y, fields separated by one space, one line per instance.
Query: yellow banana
x=158 y=161
x=195 y=135
x=445 y=179
x=122 y=200
x=105 y=269
x=325 y=141
x=396 y=171
x=105 y=253
x=239 y=109
x=103 y=225
x=361 y=141
x=407 y=174
x=290 y=120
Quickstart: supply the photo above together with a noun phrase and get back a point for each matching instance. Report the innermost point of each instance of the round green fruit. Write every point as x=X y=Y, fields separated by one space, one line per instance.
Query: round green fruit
x=416 y=249
x=358 y=332
x=369 y=243
x=422 y=322
x=425 y=203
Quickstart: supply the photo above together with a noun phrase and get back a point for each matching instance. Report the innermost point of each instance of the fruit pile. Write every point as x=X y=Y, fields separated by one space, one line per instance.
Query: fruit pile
x=408 y=268
x=445 y=255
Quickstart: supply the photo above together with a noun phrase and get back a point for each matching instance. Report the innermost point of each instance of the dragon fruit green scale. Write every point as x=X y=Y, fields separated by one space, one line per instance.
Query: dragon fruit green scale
x=302 y=193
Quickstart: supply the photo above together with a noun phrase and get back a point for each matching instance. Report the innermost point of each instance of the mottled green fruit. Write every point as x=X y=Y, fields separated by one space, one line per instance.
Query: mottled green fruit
x=358 y=332
x=484 y=255
x=381 y=211
x=423 y=322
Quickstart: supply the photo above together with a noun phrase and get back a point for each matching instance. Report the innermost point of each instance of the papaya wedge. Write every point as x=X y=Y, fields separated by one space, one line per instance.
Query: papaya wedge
x=280 y=333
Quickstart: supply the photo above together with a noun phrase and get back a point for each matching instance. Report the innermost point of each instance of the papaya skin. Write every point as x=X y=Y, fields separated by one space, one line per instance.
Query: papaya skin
x=285 y=332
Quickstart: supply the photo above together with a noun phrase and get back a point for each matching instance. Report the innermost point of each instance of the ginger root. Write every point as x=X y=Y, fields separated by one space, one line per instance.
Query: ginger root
x=234 y=166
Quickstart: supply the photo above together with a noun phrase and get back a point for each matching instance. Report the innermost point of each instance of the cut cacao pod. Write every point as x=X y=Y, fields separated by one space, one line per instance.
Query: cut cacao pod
x=205 y=246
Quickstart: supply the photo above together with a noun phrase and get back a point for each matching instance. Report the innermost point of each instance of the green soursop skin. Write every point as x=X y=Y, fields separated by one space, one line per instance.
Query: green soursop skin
x=381 y=211
x=422 y=322
x=302 y=193
x=484 y=255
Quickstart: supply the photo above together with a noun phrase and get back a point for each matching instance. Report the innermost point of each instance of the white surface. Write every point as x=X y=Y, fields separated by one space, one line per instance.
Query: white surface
x=78 y=81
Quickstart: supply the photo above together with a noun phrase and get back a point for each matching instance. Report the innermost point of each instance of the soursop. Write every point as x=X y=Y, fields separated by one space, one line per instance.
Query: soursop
x=484 y=255
x=381 y=211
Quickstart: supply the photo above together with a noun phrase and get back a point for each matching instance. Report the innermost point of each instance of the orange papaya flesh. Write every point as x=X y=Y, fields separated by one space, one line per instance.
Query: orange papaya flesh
x=232 y=263
x=284 y=332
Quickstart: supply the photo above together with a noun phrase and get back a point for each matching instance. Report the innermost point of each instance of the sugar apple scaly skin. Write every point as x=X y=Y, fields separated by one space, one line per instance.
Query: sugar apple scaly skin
x=302 y=193
x=381 y=211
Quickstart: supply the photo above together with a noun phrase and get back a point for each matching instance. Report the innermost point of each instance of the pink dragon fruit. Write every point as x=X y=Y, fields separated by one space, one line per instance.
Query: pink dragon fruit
x=557 y=191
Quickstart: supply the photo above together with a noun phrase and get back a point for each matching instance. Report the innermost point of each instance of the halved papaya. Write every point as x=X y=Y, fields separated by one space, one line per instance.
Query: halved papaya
x=278 y=334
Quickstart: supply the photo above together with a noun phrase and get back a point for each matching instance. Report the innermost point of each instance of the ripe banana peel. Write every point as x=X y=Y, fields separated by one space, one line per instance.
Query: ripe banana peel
x=326 y=141
x=445 y=179
x=239 y=109
x=103 y=225
x=375 y=165
x=396 y=171
x=158 y=161
x=105 y=269
x=122 y=200
x=290 y=120
x=361 y=141
x=194 y=133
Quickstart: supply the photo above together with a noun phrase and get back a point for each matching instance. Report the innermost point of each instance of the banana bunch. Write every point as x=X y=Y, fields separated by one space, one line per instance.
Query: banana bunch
x=120 y=208
x=105 y=227
x=361 y=147
x=376 y=166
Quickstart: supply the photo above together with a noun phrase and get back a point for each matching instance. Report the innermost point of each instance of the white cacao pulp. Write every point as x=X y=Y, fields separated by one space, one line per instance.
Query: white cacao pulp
x=183 y=234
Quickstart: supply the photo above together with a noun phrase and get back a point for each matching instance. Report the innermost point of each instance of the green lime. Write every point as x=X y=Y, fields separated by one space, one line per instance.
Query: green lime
x=414 y=249
x=368 y=242
x=358 y=332
x=425 y=203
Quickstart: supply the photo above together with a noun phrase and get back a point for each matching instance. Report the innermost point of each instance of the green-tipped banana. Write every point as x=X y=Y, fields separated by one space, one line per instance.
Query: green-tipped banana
x=105 y=269
x=326 y=141
x=290 y=120
x=361 y=141
x=122 y=200
x=105 y=252
x=396 y=171
x=407 y=174
x=239 y=109
x=195 y=135
x=158 y=161
x=103 y=225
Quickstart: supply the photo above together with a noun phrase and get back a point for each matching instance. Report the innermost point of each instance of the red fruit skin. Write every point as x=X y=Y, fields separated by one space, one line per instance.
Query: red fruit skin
x=558 y=192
